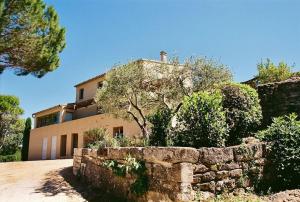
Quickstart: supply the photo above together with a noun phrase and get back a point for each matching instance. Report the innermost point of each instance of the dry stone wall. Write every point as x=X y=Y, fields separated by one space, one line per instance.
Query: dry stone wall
x=279 y=98
x=174 y=173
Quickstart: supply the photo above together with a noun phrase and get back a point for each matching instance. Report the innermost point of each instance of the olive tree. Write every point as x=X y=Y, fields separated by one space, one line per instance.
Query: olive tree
x=140 y=88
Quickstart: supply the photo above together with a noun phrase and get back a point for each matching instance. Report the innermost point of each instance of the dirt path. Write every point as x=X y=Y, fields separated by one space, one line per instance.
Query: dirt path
x=38 y=181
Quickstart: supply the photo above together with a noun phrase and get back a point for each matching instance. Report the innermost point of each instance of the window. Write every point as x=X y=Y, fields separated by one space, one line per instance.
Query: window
x=118 y=132
x=100 y=84
x=48 y=120
x=81 y=92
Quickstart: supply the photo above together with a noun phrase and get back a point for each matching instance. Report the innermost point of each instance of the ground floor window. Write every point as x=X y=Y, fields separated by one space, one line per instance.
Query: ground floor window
x=118 y=132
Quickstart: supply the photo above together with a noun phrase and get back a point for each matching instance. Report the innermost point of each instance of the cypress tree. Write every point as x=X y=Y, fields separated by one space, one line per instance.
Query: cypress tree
x=25 y=145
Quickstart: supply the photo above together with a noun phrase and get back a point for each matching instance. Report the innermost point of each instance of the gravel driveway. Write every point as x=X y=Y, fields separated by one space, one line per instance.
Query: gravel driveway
x=50 y=180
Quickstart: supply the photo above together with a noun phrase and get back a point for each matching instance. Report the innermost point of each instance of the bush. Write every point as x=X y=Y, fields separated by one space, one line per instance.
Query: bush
x=201 y=121
x=160 y=121
x=284 y=155
x=268 y=72
x=12 y=157
x=99 y=138
x=10 y=144
x=243 y=111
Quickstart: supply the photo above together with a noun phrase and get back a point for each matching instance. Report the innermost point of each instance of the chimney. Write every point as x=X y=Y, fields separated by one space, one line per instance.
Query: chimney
x=163 y=56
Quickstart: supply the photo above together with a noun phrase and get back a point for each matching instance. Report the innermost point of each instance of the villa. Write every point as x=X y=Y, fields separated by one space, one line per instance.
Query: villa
x=59 y=129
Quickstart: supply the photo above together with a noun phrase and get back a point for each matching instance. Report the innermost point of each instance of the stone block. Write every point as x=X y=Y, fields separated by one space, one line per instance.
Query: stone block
x=248 y=152
x=85 y=151
x=210 y=156
x=171 y=154
x=102 y=152
x=208 y=176
x=209 y=186
x=225 y=185
x=200 y=168
x=220 y=175
x=229 y=166
x=77 y=152
x=236 y=173
x=197 y=178
x=123 y=152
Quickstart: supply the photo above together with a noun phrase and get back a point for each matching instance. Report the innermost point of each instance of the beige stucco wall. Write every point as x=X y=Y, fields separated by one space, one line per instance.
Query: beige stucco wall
x=78 y=126
x=90 y=89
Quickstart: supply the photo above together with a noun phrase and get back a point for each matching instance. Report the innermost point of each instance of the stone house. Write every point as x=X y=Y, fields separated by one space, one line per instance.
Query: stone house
x=59 y=129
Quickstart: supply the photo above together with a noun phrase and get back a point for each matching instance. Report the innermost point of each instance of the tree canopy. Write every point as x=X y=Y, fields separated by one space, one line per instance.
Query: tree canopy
x=139 y=88
x=30 y=37
x=11 y=126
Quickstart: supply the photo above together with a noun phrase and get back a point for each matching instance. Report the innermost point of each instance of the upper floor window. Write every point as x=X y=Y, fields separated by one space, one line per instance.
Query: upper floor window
x=47 y=120
x=118 y=132
x=81 y=92
x=100 y=84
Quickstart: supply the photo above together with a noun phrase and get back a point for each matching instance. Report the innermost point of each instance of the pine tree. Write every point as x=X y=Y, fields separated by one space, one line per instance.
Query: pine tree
x=30 y=37
x=25 y=145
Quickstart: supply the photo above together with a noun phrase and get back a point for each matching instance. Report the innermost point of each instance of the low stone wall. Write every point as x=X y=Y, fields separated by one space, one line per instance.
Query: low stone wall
x=279 y=98
x=174 y=173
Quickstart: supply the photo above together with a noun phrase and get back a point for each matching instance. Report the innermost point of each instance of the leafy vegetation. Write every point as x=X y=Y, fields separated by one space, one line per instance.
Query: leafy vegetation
x=268 y=72
x=243 y=111
x=30 y=37
x=284 y=153
x=12 y=157
x=11 y=126
x=138 y=89
x=201 y=121
x=160 y=121
x=99 y=138
x=134 y=167
x=219 y=117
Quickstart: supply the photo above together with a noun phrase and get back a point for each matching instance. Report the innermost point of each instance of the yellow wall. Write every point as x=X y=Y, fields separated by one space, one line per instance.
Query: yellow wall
x=78 y=126
x=90 y=89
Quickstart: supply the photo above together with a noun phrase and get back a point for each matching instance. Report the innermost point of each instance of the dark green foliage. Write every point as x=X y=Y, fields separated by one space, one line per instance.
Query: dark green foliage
x=10 y=144
x=160 y=127
x=284 y=152
x=201 y=121
x=25 y=144
x=243 y=111
x=222 y=116
x=30 y=37
x=13 y=157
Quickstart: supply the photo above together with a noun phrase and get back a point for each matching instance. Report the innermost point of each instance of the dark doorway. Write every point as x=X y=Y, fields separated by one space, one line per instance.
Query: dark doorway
x=63 y=146
x=74 y=142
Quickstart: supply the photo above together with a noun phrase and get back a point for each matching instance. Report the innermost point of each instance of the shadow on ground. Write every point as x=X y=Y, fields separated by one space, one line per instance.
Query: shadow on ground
x=63 y=181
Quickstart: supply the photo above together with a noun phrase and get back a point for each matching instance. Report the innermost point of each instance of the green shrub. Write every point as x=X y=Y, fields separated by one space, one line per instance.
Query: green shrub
x=160 y=121
x=243 y=111
x=11 y=157
x=201 y=121
x=99 y=138
x=10 y=144
x=284 y=151
x=268 y=72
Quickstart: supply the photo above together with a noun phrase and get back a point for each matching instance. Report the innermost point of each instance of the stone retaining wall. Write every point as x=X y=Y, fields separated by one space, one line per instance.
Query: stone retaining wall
x=174 y=173
x=279 y=98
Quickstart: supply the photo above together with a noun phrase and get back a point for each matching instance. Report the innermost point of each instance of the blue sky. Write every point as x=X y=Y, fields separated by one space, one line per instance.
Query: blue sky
x=103 y=33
